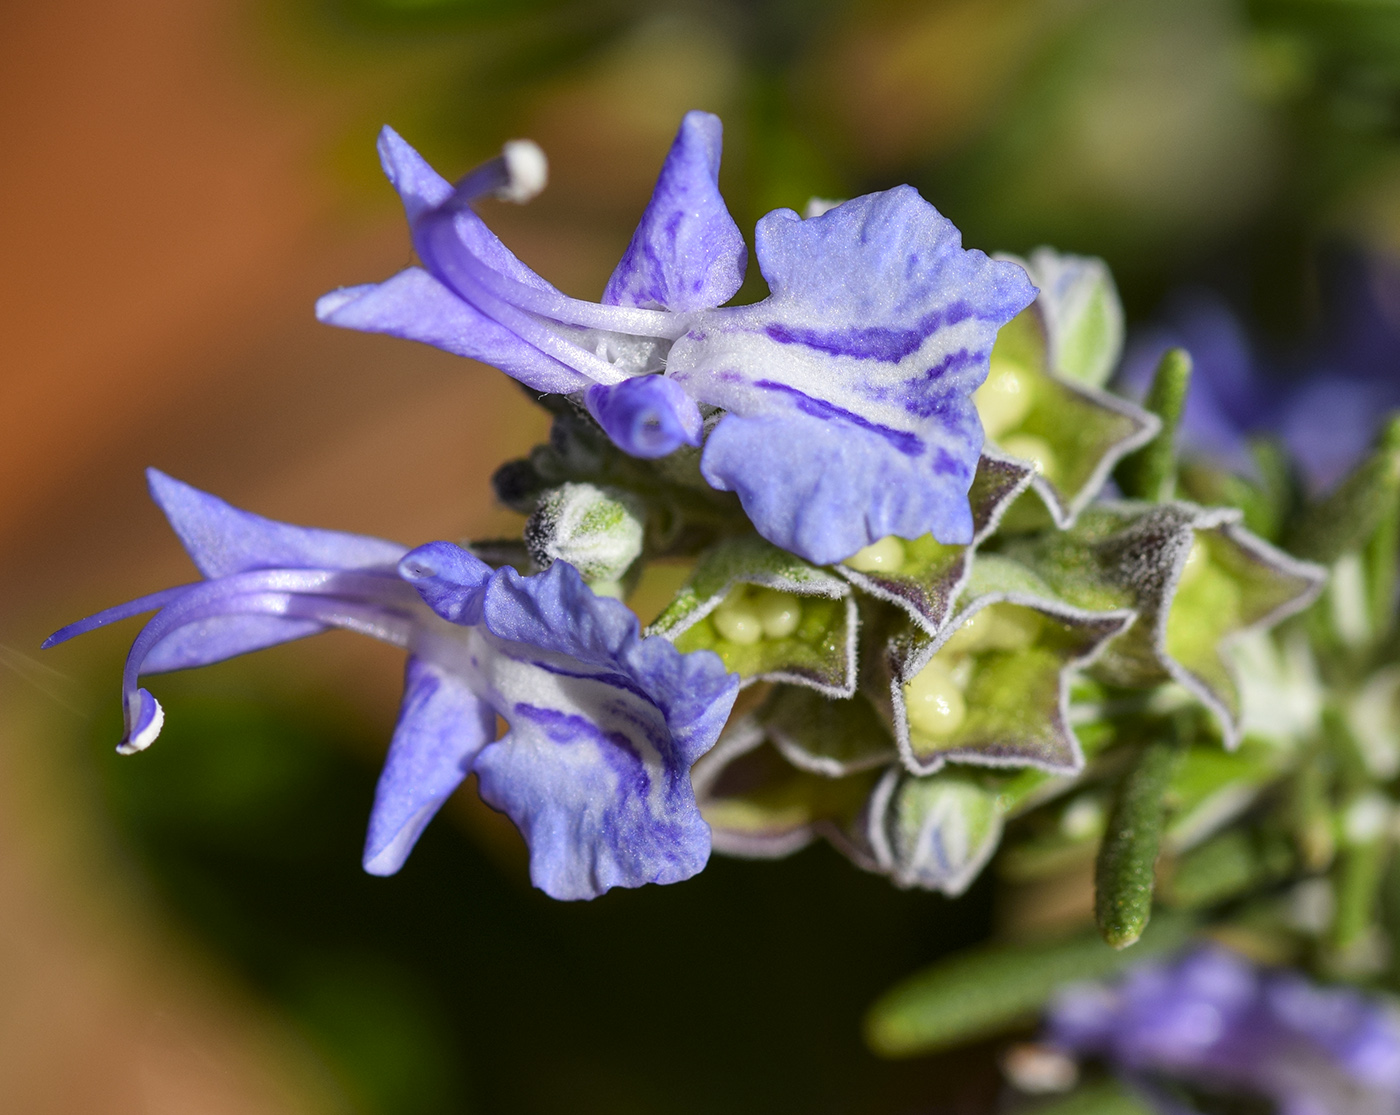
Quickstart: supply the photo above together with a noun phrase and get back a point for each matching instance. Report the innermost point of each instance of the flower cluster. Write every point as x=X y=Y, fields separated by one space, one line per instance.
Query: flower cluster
x=889 y=485
x=841 y=404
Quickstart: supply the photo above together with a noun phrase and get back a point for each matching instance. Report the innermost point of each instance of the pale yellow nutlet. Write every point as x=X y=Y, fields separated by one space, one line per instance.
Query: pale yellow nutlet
x=1007 y=627
x=735 y=620
x=933 y=702
x=1036 y=450
x=779 y=613
x=1004 y=400
x=749 y=614
x=883 y=556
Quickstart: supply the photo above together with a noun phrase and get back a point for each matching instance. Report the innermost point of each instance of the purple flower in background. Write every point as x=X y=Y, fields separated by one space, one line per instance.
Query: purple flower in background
x=1226 y=401
x=1213 y=1020
x=1351 y=377
x=1325 y=403
x=603 y=724
x=845 y=395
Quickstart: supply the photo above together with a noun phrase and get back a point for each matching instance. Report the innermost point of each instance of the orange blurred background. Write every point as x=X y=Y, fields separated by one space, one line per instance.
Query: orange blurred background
x=167 y=223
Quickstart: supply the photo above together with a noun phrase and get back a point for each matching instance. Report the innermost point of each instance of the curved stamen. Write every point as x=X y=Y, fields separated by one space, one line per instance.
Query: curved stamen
x=465 y=274
x=151 y=603
x=376 y=616
x=662 y=324
x=517 y=174
x=520 y=307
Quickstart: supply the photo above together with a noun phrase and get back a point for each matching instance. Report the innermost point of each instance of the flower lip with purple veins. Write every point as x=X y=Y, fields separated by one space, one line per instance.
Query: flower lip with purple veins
x=846 y=394
x=604 y=725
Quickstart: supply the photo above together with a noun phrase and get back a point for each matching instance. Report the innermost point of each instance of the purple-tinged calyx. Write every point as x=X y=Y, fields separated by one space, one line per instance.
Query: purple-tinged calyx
x=1197 y=580
x=847 y=392
x=603 y=724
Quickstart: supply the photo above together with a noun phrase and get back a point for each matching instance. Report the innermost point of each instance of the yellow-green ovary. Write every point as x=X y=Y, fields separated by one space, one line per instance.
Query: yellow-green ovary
x=1004 y=400
x=779 y=613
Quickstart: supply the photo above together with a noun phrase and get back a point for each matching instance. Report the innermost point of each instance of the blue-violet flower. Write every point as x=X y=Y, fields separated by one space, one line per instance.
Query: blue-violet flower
x=1325 y=403
x=1212 y=1019
x=604 y=725
x=845 y=395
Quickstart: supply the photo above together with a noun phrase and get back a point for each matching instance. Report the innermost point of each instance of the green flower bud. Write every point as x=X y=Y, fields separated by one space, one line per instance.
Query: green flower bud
x=599 y=531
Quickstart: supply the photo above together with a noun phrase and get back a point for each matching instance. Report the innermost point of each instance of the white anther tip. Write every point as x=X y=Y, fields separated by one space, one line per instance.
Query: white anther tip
x=527 y=170
x=152 y=720
x=817 y=206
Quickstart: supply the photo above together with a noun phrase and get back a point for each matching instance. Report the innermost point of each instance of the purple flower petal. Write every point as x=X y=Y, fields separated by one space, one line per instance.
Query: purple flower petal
x=442 y=726
x=216 y=620
x=687 y=252
x=1329 y=422
x=1212 y=1018
x=1228 y=398
x=423 y=191
x=509 y=315
x=219 y=637
x=825 y=489
x=604 y=726
x=418 y=185
x=879 y=326
x=416 y=307
x=269 y=583
x=223 y=540
x=450 y=580
x=649 y=416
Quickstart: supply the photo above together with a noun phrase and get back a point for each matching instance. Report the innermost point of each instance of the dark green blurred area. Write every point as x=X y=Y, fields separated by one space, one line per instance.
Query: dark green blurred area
x=453 y=987
x=1189 y=139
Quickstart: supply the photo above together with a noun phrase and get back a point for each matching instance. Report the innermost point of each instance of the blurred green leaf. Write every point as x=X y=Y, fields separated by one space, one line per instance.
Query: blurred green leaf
x=994 y=988
x=1103 y=1097
x=1347 y=518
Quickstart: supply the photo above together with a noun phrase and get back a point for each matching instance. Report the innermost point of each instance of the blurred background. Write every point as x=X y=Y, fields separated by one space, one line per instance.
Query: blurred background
x=188 y=930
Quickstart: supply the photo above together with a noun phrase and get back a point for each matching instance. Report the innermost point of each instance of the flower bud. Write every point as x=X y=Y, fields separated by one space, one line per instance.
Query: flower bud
x=598 y=531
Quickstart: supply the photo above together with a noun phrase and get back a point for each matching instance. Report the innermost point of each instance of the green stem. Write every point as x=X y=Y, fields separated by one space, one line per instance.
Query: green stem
x=1123 y=877
x=1150 y=473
